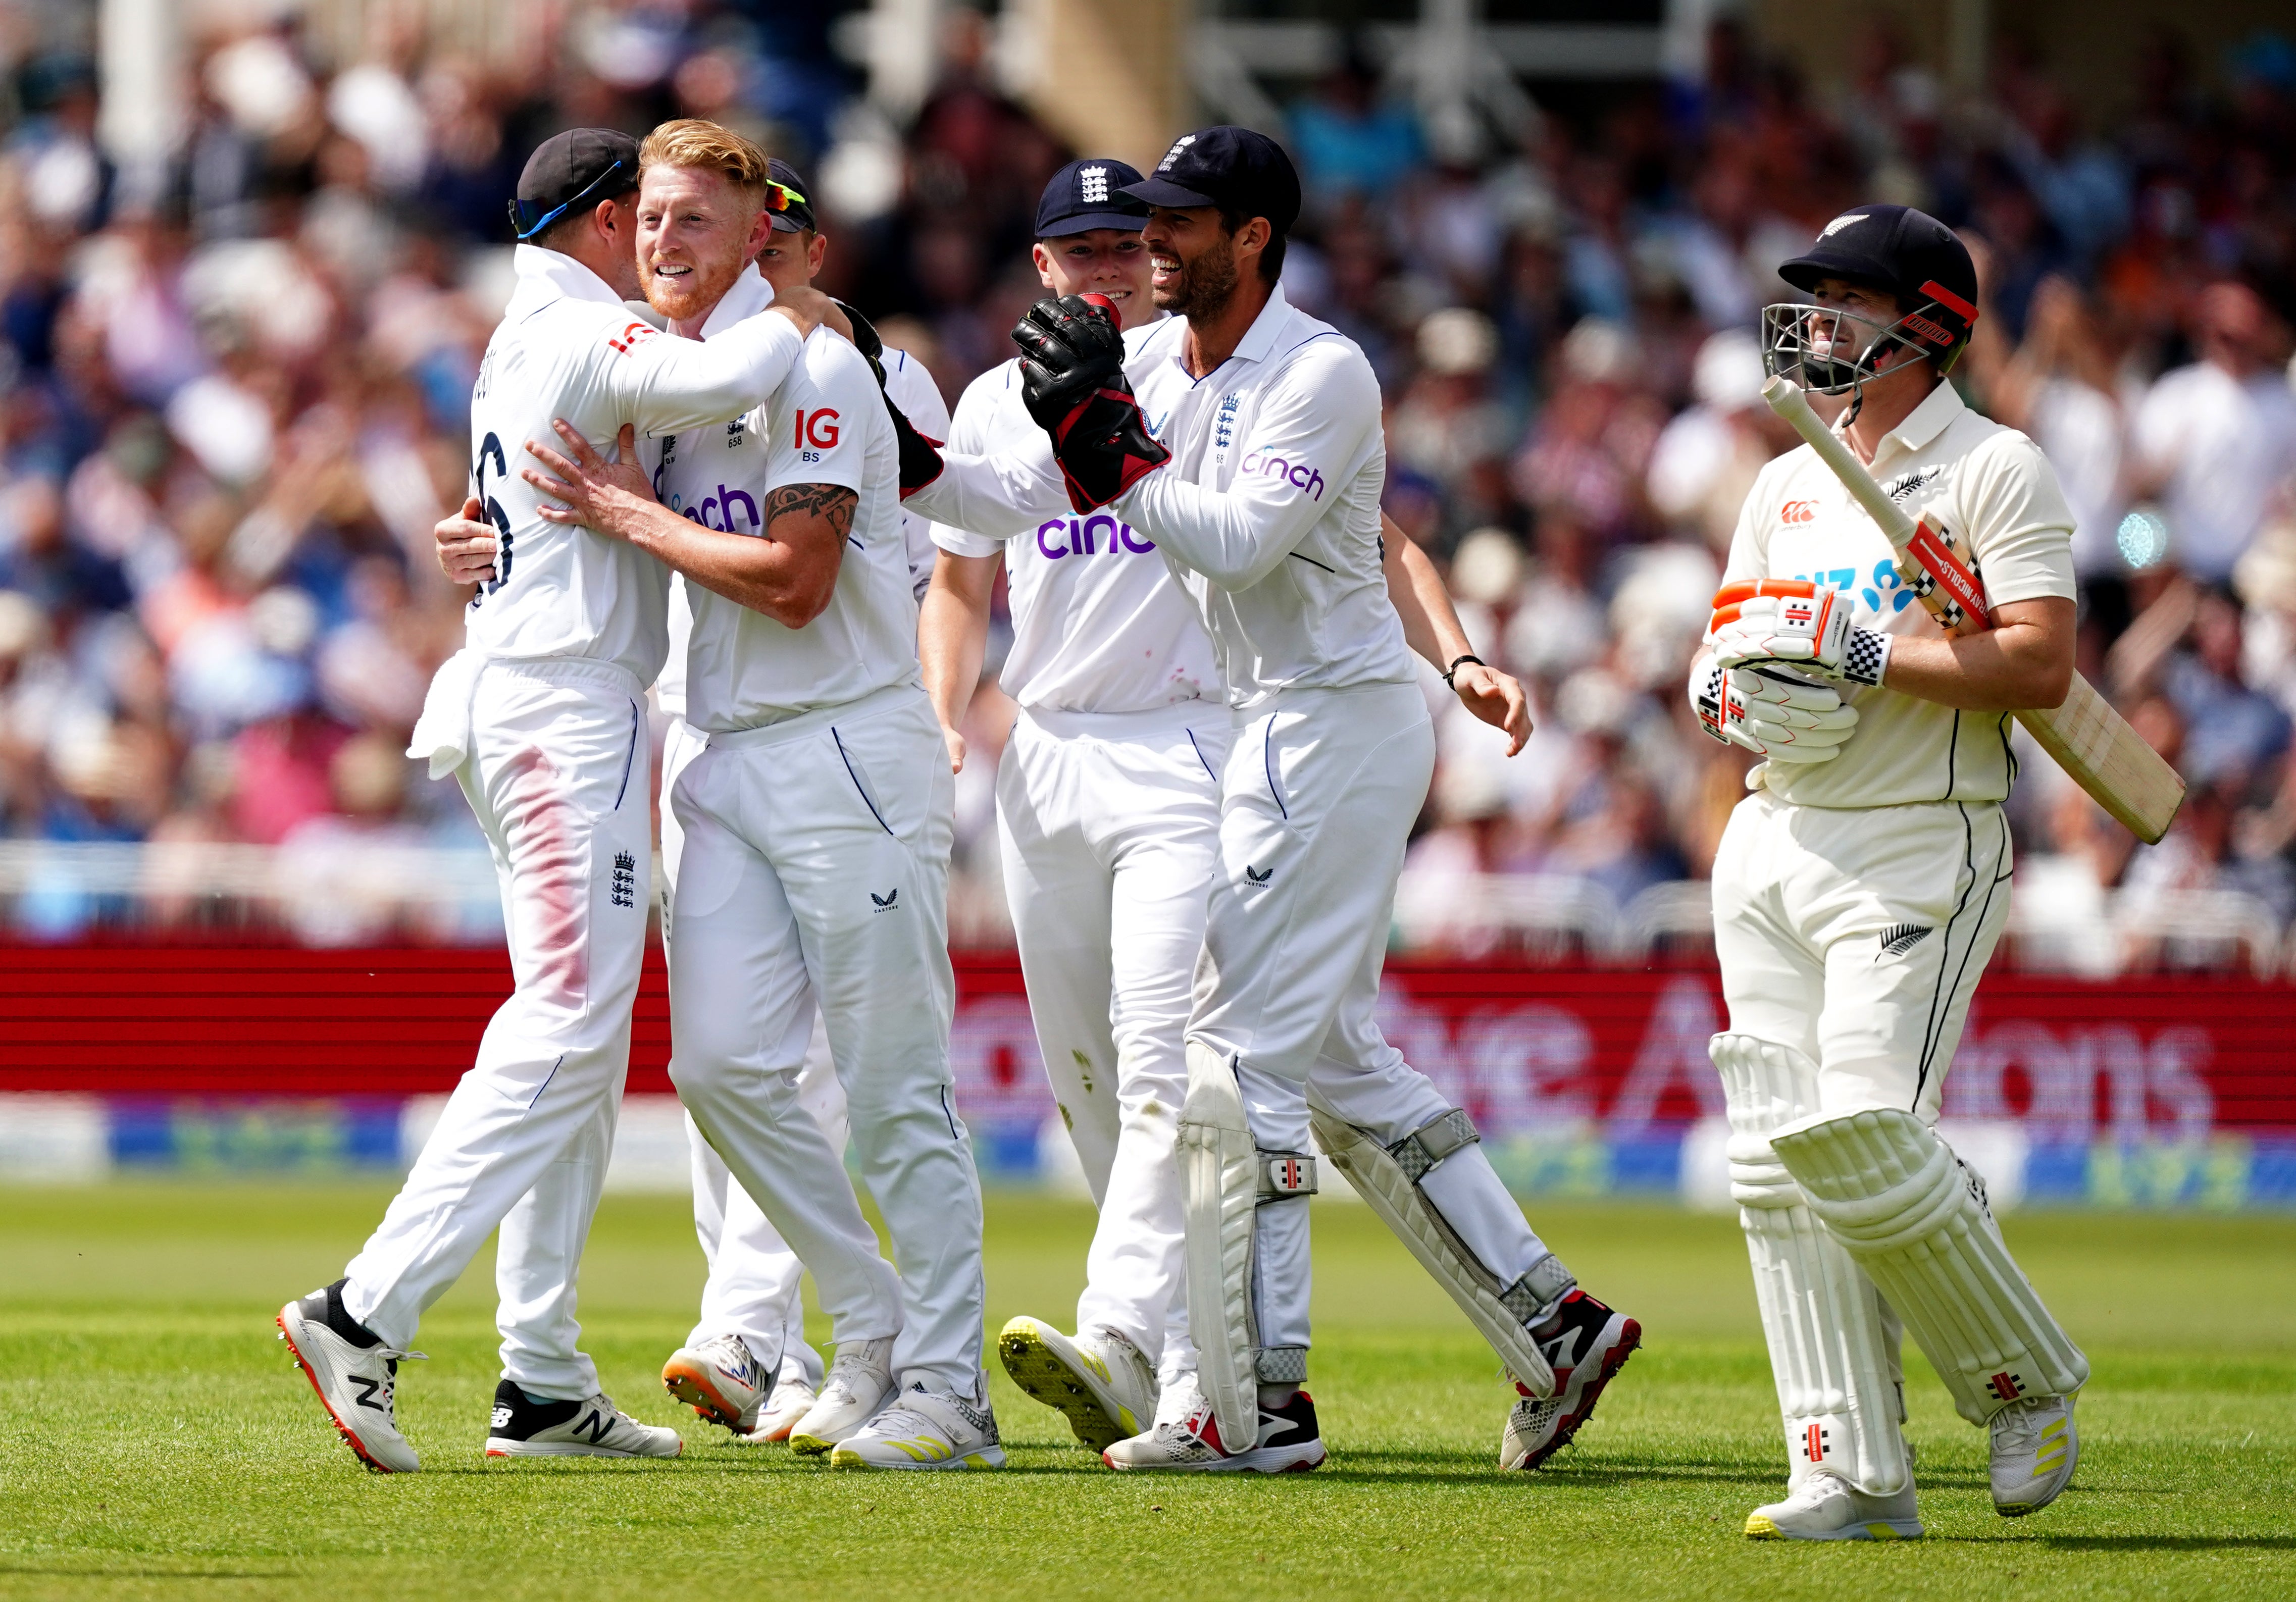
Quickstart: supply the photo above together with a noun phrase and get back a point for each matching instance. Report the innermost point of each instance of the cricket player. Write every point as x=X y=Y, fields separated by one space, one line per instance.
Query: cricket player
x=1860 y=889
x=1257 y=470
x=538 y=718
x=751 y=1307
x=815 y=828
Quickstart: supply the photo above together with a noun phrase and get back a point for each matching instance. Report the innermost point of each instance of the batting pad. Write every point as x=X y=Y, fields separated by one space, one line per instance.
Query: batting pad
x=1915 y=1219
x=1833 y=1344
x=1219 y=1196
x=1395 y=1196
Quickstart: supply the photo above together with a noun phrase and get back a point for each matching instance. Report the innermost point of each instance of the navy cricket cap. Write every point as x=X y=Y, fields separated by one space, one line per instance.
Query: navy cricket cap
x=578 y=168
x=1089 y=194
x=1895 y=247
x=1234 y=169
x=795 y=212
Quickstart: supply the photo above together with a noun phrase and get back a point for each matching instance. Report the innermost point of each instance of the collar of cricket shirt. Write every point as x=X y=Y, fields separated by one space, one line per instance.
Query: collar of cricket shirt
x=1258 y=343
x=1926 y=421
x=548 y=275
x=749 y=294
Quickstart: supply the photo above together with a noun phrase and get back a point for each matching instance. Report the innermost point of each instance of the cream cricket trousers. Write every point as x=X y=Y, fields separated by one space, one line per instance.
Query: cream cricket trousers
x=1856 y=938
x=1109 y=823
x=557 y=777
x=813 y=871
x=754 y=1287
x=1318 y=798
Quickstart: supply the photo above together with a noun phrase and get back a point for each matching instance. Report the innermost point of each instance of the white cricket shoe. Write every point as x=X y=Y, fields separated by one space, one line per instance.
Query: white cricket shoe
x=596 y=1428
x=1824 y=1507
x=2035 y=1447
x=355 y=1374
x=718 y=1379
x=859 y=1385
x=925 y=1429
x=1097 y=1377
x=792 y=1398
x=1289 y=1442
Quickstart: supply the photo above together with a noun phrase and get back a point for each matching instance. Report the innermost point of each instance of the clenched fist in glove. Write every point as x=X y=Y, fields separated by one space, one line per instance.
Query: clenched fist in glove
x=921 y=462
x=1072 y=381
x=1797 y=623
x=1774 y=714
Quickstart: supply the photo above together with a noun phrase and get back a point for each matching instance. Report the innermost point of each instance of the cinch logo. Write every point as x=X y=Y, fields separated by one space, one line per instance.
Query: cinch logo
x=1080 y=537
x=1094 y=180
x=1798 y=512
x=723 y=502
x=1299 y=476
x=817 y=428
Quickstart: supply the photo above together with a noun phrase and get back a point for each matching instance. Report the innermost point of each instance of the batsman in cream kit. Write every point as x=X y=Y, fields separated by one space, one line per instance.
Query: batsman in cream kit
x=1859 y=890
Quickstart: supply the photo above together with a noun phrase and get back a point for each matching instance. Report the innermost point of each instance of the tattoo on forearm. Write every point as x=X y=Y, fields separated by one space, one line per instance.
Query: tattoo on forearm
x=832 y=502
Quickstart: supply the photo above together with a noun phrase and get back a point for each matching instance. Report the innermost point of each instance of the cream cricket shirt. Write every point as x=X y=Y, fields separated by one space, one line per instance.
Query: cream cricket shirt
x=1992 y=488
x=825 y=424
x=568 y=348
x=1099 y=623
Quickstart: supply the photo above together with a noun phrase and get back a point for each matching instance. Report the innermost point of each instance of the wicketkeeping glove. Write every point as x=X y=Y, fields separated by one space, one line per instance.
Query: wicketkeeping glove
x=1799 y=624
x=1770 y=712
x=1072 y=381
x=921 y=462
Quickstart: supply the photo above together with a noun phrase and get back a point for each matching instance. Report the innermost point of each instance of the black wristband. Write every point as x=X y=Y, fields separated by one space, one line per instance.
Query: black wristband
x=1458 y=662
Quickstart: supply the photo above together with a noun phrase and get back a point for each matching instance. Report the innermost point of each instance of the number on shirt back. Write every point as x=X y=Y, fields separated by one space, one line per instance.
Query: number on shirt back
x=492 y=448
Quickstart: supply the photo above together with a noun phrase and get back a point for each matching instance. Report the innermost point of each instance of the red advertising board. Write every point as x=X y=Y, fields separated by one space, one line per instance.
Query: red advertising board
x=2168 y=1056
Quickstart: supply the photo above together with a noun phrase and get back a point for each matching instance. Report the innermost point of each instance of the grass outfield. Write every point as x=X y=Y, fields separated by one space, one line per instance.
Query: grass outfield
x=154 y=1434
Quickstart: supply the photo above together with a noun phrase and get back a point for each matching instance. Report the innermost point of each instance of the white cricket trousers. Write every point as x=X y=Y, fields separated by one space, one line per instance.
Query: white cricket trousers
x=557 y=777
x=1318 y=798
x=753 y=1288
x=1109 y=823
x=815 y=871
x=1856 y=936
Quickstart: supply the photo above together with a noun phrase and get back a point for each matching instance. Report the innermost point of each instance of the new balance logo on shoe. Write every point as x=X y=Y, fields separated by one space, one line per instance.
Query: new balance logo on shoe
x=1900 y=938
x=885 y=902
x=595 y=1426
x=367 y=1394
x=501 y=1416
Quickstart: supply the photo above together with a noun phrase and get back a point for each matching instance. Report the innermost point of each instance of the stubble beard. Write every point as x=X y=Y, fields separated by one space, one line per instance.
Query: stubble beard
x=1207 y=284
x=692 y=294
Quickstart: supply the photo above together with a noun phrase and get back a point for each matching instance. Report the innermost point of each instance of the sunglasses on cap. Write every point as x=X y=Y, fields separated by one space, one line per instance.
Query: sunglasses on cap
x=781 y=197
x=524 y=221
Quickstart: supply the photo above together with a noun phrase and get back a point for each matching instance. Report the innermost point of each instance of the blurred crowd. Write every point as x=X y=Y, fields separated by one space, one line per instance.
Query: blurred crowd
x=234 y=393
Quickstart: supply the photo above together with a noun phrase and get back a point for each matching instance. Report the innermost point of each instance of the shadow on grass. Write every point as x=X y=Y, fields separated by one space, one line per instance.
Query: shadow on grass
x=2160 y=1543
x=67 y=1572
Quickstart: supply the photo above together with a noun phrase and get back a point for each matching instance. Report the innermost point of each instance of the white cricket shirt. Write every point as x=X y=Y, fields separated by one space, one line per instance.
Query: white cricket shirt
x=825 y=424
x=910 y=386
x=568 y=348
x=1099 y=623
x=1987 y=484
x=1269 y=511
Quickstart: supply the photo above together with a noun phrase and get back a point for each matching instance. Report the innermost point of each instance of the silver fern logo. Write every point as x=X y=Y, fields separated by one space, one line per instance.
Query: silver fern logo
x=1900 y=938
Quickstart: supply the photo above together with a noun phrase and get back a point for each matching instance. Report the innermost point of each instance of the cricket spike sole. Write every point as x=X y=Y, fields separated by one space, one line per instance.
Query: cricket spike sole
x=1041 y=1375
x=689 y=1384
x=349 y=1436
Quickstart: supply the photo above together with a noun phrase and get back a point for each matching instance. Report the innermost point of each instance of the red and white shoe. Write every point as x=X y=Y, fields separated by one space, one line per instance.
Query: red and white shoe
x=1289 y=1443
x=1586 y=1351
x=792 y=1398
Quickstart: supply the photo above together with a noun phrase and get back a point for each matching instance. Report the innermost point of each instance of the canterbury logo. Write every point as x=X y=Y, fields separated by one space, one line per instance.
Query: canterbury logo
x=885 y=902
x=1259 y=875
x=1798 y=512
x=1900 y=938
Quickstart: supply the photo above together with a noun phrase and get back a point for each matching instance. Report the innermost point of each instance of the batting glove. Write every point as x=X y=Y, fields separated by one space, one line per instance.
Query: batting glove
x=1799 y=624
x=1072 y=381
x=1770 y=712
x=921 y=462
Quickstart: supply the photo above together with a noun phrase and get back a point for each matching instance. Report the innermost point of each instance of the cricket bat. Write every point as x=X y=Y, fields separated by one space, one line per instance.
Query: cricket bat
x=2087 y=738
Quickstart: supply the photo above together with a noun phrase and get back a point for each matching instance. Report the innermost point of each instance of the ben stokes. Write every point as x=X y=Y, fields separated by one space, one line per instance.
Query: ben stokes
x=538 y=719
